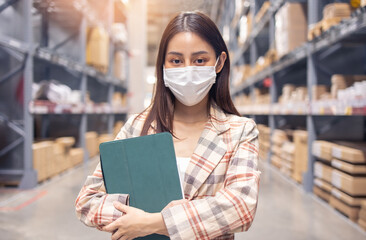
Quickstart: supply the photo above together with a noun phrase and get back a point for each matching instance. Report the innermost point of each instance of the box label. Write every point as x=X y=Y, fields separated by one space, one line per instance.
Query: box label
x=336 y=152
x=318 y=170
x=318 y=183
x=336 y=179
x=337 y=164
x=336 y=193
x=316 y=150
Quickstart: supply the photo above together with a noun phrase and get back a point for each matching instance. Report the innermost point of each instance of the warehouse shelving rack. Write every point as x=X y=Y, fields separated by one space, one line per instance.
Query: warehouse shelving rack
x=34 y=58
x=340 y=50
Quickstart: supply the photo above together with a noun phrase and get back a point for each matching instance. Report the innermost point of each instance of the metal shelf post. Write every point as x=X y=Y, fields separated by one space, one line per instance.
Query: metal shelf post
x=29 y=178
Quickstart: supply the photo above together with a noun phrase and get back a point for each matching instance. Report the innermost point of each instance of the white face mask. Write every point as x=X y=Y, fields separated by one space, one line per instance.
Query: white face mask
x=190 y=84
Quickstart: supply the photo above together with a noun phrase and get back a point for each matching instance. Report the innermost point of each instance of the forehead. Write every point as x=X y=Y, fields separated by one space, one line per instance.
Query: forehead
x=187 y=43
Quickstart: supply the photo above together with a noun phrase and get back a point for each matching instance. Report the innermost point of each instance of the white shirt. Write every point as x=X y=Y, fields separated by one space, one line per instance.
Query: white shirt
x=182 y=163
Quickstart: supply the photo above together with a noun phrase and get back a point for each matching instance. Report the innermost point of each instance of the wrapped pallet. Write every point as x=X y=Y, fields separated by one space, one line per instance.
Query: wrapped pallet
x=291 y=27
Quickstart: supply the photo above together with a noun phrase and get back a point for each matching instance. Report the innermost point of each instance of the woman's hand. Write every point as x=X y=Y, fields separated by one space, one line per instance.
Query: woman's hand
x=175 y=202
x=135 y=223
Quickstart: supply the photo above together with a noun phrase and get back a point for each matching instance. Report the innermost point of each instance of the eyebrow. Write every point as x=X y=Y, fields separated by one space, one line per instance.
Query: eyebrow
x=193 y=54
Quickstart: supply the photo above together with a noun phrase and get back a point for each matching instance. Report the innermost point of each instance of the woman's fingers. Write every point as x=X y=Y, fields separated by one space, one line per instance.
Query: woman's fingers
x=111 y=227
x=118 y=235
x=121 y=207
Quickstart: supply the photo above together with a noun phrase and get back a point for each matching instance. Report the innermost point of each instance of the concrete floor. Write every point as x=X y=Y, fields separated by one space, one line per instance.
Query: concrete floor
x=284 y=212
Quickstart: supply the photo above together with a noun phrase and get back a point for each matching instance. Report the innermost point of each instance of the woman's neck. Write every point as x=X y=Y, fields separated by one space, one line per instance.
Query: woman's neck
x=192 y=114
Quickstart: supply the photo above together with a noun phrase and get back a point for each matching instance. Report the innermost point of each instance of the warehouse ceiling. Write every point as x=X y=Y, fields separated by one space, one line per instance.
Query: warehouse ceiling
x=159 y=12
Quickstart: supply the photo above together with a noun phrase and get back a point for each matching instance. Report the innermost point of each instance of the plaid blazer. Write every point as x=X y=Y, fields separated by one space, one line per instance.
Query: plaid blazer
x=221 y=182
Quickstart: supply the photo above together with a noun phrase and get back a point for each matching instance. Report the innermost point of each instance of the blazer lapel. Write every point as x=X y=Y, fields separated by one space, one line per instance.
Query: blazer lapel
x=208 y=153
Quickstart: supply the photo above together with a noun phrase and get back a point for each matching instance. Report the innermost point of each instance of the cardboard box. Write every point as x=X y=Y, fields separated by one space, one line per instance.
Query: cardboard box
x=301 y=154
x=351 y=201
x=362 y=222
x=279 y=137
x=353 y=152
x=61 y=163
x=91 y=142
x=335 y=10
x=291 y=27
x=349 y=211
x=323 y=171
x=43 y=159
x=105 y=138
x=119 y=69
x=344 y=81
x=325 y=186
x=276 y=150
x=323 y=150
x=321 y=193
x=355 y=186
x=64 y=142
x=348 y=167
x=76 y=156
x=318 y=91
x=276 y=161
x=362 y=214
x=97 y=48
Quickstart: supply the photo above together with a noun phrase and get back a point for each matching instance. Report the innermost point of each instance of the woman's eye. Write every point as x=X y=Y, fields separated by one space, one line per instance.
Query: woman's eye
x=200 y=61
x=176 y=61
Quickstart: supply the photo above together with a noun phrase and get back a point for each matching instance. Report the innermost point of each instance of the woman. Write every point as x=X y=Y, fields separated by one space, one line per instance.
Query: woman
x=216 y=149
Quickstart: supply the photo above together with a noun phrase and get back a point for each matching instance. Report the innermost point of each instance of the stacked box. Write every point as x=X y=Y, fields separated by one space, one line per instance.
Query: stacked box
x=362 y=215
x=319 y=91
x=76 y=156
x=278 y=138
x=287 y=157
x=264 y=141
x=337 y=10
x=348 y=177
x=301 y=154
x=64 y=144
x=119 y=71
x=43 y=159
x=293 y=94
x=91 y=142
x=291 y=27
x=61 y=162
x=322 y=189
x=105 y=138
x=323 y=150
x=340 y=82
x=97 y=48
x=323 y=171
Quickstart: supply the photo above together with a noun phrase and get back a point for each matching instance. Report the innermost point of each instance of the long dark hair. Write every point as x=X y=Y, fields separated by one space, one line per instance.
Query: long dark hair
x=161 y=109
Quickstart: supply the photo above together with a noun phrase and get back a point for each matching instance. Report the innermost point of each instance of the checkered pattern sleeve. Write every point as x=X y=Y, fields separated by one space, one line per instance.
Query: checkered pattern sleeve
x=232 y=209
x=94 y=207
